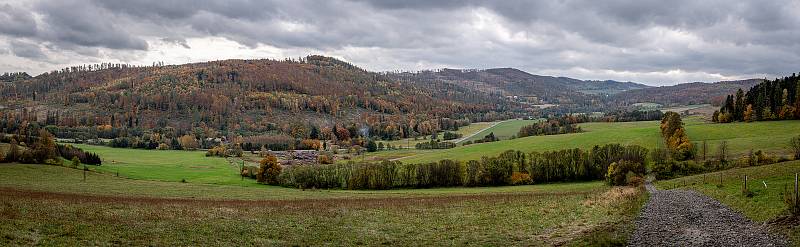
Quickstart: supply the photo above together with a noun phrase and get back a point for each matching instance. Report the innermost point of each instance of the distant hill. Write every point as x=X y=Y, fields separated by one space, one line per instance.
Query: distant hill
x=513 y=82
x=685 y=94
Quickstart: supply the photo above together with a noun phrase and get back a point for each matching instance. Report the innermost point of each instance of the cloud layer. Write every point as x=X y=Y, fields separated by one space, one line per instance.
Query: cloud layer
x=655 y=42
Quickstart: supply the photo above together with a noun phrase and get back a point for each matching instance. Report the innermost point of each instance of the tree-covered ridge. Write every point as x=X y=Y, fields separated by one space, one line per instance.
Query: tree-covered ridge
x=241 y=97
x=770 y=100
x=15 y=76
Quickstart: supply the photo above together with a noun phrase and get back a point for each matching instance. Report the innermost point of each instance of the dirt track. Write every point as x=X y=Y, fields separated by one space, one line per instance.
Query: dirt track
x=688 y=218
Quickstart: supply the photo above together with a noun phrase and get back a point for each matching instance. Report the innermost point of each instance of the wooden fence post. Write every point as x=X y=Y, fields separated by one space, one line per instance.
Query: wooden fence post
x=796 y=196
x=745 y=183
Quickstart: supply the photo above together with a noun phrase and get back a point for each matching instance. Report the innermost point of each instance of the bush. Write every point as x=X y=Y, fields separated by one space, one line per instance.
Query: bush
x=216 y=151
x=671 y=169
x=619 y=173
x=791 y=201
x=520 y=178
x=75 y=162
x=450 y=135
x=325 y=159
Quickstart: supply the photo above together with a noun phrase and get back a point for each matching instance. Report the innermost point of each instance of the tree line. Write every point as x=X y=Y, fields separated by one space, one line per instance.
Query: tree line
x=41 y=148
x=553 y=126
x=508 y=168
x=769 y=100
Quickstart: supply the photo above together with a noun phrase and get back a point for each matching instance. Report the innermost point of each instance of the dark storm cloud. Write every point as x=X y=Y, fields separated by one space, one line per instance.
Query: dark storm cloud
x=729 y=38
x=27 y=50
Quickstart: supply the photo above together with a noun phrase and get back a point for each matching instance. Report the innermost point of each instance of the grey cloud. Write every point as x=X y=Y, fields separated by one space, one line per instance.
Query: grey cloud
x=16 y=21
x=27 y=50
x=177 y=41
x=714 y=36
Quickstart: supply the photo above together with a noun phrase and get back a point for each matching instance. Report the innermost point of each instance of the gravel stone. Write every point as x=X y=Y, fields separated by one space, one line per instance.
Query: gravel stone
x=688 y=218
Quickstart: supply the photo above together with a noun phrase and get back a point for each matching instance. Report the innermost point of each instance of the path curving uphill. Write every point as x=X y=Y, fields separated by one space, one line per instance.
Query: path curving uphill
x=688 y=218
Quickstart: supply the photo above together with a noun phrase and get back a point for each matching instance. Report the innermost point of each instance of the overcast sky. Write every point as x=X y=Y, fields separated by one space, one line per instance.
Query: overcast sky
x=655 y=42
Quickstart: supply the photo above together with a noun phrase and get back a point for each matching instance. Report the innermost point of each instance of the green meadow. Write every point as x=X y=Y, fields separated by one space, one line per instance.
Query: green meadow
x=167 y=165
x=771 y=137
x=52 y=205
x=504 y=130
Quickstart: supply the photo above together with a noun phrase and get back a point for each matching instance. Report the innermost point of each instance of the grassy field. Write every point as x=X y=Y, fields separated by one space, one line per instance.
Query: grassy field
x=771 y=137
x=50 y=205
x=167 y=165
x=464 y=131
x=504 y=130
x=765 y=204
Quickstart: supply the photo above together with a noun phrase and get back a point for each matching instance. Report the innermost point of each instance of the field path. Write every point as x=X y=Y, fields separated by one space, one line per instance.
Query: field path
x=688 y=218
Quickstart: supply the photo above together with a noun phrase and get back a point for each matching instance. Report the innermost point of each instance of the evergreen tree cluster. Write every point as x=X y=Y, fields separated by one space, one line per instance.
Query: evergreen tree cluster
x=777 y=99
x=69 y=152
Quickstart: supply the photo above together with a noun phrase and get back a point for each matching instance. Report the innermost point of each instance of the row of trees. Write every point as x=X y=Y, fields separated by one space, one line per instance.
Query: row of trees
x=510 y=167
x=42 y=149
x=770 y=100
x=675 y=137
x=435 y=144
x=553 y=126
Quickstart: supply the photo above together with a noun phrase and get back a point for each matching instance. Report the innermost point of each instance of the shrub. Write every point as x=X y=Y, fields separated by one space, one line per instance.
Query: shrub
x=618 y=172
x=216 y=151
x=795 y=144
x=671 y=169
x=269 y=170
x=791 y=201
x=450 y=135
x=75 y=162
x=163 y=146
x=520 y=178
x=325 y=159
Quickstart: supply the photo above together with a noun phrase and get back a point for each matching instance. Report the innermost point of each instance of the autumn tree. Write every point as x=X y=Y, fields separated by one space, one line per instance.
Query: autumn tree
x=188 y=142
x=268 y=170
x=45 y=147
x=748 y=113
x=13 y=151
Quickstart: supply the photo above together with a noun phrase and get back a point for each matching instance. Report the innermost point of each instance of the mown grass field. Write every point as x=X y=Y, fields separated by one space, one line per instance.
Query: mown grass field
x=464 y=131
x=766 y=203
x=50 y=205
x=504 y=130
x=771 y=137
x=167 y=165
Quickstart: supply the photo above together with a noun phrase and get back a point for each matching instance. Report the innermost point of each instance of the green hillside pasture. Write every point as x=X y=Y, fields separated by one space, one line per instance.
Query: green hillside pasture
x=766 y=203
x=771 y=137
x=504 y=130
x=167 y=165
x=49 y=205
x=464 y=131
x=640 y=133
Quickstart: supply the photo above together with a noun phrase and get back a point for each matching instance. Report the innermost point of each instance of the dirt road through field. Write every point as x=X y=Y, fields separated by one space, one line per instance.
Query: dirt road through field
x=688 y=218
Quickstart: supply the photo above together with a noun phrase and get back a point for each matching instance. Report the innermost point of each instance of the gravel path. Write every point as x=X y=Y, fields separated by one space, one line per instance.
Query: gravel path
x=688 y=218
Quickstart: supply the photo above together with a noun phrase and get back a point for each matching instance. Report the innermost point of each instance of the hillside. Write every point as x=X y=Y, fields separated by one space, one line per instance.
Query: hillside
x=242 y=97
x=534 y=89
x=685 y=94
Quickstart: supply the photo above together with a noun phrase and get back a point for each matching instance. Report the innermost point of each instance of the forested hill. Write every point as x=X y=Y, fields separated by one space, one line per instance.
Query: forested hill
x=244 y=97
x=514 y=82
x=685 y=94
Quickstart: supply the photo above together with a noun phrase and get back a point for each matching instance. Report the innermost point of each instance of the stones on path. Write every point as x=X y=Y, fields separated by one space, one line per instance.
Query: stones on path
x=688 y=218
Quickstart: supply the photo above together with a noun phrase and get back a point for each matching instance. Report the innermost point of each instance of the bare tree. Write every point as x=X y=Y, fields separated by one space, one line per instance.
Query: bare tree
x=722 y=153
